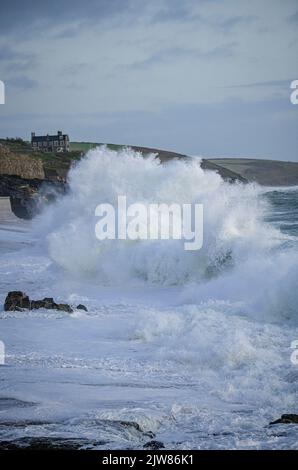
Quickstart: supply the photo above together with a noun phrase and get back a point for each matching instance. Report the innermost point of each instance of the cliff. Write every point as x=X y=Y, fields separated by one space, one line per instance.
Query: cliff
x=23 y=180
x=33 y=178
x=263 y=172
x=18 y=164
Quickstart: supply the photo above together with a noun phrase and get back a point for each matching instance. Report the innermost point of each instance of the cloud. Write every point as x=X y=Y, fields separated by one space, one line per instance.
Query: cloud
x=33 y=15
x=75 y=68
x=269 y=83
x=17 y=67
x=176 y=11
x=293 y=18
x=175 y=53
x=123 y=56
x=7 y=53
x=15 y=61
x=233 y=21
x=22 y=83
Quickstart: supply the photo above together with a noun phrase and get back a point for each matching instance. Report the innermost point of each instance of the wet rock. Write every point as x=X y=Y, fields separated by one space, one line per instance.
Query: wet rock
x=286 y=419
x=48 y=303
x=63 y=308
x=154 y=445
x=82 y=307
x=49 y=443
x=36 y=304
x=17 y=301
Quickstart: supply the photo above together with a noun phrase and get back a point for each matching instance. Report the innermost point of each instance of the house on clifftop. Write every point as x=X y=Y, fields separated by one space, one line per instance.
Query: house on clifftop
x=50 y=143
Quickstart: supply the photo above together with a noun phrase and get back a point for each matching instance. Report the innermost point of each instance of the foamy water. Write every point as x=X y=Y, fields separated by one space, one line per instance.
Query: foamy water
x=192 y=346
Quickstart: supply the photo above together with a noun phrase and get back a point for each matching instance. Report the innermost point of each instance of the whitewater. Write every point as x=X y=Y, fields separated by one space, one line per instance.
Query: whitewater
x=189 y=348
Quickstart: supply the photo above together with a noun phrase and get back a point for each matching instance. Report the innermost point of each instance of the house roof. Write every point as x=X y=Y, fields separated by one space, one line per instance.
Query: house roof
x=49 y=138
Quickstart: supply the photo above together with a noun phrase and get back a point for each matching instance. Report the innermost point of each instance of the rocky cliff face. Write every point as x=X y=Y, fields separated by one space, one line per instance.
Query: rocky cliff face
x=16 y=164
x=23 y=180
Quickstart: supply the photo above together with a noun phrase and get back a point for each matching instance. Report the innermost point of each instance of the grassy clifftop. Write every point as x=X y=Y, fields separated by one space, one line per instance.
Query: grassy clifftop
x=264 y=172
x=53 y=164
x=56 y=165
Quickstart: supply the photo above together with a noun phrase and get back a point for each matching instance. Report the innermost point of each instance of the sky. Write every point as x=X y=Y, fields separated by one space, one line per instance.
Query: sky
x=201 y=77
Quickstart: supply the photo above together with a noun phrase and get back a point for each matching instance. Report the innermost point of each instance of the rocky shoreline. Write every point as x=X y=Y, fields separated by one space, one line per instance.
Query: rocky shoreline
x=19 y=301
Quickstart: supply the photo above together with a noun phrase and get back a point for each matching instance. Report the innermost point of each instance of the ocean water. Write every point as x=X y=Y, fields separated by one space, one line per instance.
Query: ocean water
x=192 y=349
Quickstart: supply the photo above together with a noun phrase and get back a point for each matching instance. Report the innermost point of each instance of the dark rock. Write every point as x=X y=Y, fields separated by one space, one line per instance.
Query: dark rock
x=16 y=300
x=29 y=196
x=154 y=445
x=23 y=180
x=63 y=308
x=49 y=300
x=49 y=443
x=286 y=419
x=136 y=426
x=82 y=307
x=49 y=304
x=36 y=304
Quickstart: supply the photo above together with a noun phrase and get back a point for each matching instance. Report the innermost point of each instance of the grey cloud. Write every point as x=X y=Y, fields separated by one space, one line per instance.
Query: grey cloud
x=269 y=83
x=14 y=61
x=73 y=69
x=179 y=11
x=233 y=21
x=175 y=10
x=293 y=18
x=35 y=15
x=224 y=51
x=168 y=55
x=67 y=33
x=22 y=82
x=7 y=53
x=21 y=66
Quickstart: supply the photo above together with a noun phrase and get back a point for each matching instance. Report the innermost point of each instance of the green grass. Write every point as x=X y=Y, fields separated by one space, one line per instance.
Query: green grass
x=82 y=146
x=85 y=146
x=60 y=162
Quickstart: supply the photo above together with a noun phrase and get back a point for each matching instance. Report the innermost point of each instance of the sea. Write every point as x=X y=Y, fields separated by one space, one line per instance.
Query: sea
x=190 y=349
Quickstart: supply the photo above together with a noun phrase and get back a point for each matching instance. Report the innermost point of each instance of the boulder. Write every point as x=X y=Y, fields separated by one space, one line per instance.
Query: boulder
x=17 y=300
x=286 y=419
x=63 y=307
x=154 y=445
x=82 y=307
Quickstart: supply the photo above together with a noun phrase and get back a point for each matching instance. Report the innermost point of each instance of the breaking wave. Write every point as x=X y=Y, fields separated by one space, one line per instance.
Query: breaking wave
x=243 y=257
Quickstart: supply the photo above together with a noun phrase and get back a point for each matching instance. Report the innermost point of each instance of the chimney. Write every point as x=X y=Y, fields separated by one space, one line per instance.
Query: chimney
x=59 y=132
x=32 y=135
